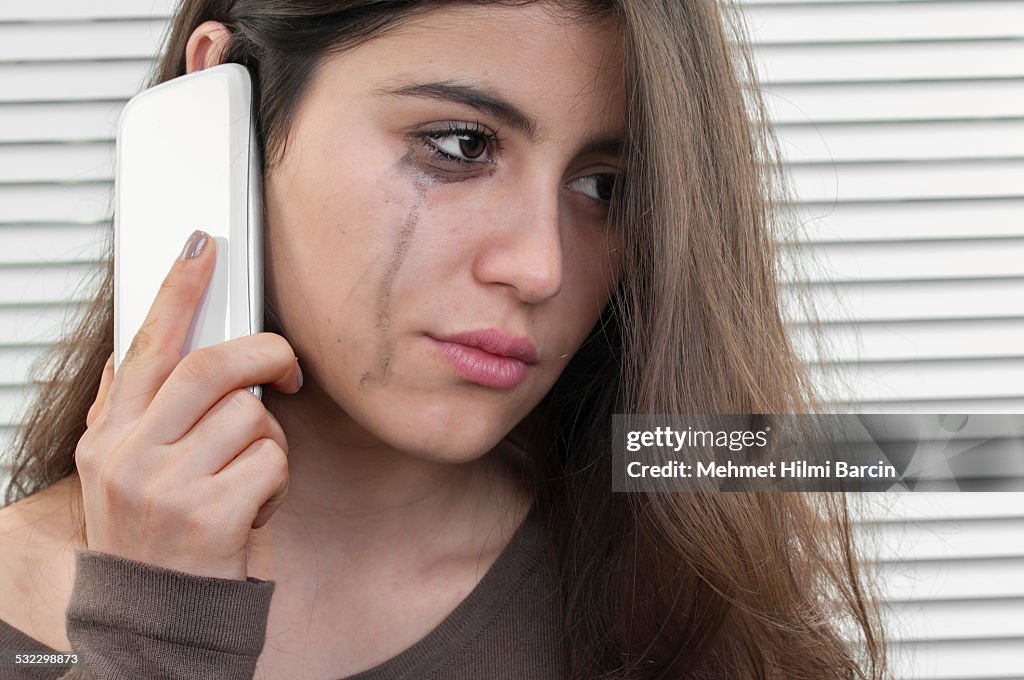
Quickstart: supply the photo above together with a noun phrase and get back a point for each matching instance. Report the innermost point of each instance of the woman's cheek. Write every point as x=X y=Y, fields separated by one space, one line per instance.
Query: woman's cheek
x=386 y=218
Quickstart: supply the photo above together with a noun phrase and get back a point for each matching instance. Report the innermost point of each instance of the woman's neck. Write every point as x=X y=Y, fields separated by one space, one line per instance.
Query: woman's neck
x=353 y=501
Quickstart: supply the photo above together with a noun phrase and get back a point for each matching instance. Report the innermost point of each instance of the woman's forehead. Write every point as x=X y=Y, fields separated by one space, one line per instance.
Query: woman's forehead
x=525 y=65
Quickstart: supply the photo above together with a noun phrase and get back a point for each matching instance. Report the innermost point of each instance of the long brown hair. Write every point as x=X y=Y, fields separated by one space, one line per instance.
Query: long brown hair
x=684 y=585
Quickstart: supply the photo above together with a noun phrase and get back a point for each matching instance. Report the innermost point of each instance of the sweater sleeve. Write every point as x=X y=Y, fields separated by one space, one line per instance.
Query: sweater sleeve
x=128 y=619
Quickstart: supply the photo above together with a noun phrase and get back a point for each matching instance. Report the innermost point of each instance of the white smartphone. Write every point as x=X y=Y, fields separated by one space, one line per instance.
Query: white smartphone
x=188 y=158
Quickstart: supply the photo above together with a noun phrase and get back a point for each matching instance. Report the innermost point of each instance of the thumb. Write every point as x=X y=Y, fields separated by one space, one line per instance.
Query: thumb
x=101 y=393
x=270 y=507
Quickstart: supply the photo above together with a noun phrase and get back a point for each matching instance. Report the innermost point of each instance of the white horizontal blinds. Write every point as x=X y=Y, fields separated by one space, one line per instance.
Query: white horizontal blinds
x=74 y=10
x=903 y=128
x=951 y=570
x=902 y=124
x=66 y=69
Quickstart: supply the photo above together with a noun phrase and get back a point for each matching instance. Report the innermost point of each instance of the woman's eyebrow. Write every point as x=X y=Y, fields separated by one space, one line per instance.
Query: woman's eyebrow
x=471 y=95
x=608 y=146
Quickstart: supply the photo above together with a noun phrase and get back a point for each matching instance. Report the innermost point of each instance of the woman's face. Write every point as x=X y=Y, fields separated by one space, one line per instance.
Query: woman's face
x=437 y=239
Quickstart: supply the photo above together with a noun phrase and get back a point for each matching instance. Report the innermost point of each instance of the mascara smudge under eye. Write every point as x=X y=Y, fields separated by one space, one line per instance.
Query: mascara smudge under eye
x=424 y=171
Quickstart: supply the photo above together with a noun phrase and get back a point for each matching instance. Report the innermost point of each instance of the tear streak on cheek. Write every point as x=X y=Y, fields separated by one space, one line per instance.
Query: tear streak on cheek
x=385 y=343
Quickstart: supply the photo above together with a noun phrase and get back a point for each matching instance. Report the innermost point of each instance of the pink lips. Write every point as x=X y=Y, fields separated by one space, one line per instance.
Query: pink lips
x=489 y=357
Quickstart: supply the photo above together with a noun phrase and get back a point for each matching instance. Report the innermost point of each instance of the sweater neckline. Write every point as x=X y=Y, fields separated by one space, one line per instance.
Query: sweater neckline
x=440 y=647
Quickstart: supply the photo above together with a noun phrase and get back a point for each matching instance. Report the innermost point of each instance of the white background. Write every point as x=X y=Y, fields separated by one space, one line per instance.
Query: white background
x=903 y=126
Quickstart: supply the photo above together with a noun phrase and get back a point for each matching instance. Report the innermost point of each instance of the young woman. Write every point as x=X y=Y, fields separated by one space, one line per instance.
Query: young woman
x=490 y=226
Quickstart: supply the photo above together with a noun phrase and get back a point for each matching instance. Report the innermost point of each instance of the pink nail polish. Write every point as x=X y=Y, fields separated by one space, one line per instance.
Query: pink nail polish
x=196 y=241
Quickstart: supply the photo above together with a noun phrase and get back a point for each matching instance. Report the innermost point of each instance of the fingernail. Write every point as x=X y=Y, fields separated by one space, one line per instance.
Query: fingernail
x=299 y=369
x=194 y=244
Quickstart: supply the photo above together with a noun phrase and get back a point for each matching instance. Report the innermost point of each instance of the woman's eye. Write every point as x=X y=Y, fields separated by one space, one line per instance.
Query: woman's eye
x=598 y=187
x=461 y=145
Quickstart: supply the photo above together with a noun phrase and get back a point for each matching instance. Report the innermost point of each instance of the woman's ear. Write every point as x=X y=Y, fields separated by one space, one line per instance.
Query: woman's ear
x=206 y=46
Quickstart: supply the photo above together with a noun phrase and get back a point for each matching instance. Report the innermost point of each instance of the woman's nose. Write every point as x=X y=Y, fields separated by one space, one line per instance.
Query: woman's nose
x=524 y=250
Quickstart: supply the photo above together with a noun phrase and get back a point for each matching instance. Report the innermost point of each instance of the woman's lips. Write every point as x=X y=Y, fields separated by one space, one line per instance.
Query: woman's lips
x=489 y=358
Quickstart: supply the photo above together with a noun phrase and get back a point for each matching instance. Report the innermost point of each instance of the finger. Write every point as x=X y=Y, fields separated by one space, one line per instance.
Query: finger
x=227 y=429
x=101 y=392
x=157 y=346
x=261 y=473
x=205 y=375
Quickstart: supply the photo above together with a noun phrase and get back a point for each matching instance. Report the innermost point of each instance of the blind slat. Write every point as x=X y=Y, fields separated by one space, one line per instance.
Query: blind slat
x=954 y=100
x=63 y=10
x=962 y=540
x=26 y=324
x=873 y=21
x=914 y=300
x=908 y=180
x=960 y=660
x=14 y=364
x=56 y=203
x=952 y=580
x=13 y=401
x=56 y=162
x=901 y=341
x=933 y=380
x=969 y=620
x=895 y=220
x=902 y=141
x=59 y=122
x=41 y=284
x=70 y=81
x=896 y=61
x=29 y=244
x=940 y=507
x=1003 y=405
x=81 y=40
x=908 y=260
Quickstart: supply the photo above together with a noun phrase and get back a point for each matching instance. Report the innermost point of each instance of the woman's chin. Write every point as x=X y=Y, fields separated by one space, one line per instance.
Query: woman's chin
x=445 y=447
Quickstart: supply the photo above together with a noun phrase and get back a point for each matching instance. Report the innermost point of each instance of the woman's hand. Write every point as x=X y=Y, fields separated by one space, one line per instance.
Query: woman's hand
x=180 y=460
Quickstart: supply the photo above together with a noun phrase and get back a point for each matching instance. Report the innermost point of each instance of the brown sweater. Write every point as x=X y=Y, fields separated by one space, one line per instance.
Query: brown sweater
x=129 y=620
